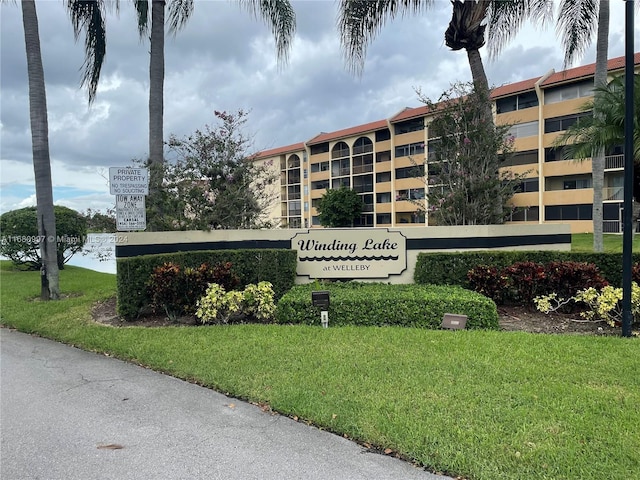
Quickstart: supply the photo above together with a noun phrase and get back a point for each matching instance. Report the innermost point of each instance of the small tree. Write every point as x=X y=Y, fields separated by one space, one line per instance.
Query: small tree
x=339 y=208
x=212 y=181
x=98 y=222
x=464 y=183
x=20 y=240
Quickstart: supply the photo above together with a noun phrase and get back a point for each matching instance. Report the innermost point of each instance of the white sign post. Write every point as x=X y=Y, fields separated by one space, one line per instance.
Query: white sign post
x=130 y=212
x=129 y=185
x=128 y=181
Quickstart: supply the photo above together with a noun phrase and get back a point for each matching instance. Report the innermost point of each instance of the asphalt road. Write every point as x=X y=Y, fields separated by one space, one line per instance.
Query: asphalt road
x=69 y=414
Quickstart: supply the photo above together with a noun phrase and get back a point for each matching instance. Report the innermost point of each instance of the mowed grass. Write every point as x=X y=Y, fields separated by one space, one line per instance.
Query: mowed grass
x=478 y=404
x=583 y=242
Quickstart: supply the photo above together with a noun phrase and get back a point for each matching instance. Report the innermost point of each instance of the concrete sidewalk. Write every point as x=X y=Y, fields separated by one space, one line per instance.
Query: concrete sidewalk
x=64 y=413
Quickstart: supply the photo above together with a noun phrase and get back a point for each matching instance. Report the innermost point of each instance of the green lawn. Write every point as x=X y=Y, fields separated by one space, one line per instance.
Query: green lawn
x=583 y=242
x=479 y=404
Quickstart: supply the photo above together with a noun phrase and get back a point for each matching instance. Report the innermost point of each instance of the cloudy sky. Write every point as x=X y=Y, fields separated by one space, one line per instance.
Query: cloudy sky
x=224 y=59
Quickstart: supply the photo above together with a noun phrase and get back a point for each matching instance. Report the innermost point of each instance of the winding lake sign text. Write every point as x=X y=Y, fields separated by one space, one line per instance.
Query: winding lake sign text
x=350 y=253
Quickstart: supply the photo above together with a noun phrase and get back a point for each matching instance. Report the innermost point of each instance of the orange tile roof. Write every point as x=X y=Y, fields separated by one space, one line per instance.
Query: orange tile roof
x=296 y=147
x=511 y=88
x=348 y=132
x=586 y=71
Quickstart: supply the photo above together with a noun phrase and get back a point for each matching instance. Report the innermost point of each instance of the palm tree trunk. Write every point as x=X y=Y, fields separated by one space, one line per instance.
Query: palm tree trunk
x=479 y=77
x=50 y=289
x=156 y=108
x=597 y=158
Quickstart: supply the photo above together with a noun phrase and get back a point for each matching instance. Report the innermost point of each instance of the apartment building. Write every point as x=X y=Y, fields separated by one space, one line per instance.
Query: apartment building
x=378 y=161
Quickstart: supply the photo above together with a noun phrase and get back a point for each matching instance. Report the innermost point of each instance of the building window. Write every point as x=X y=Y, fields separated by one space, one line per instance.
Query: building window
x=383 y=218
x=382 y=135
x=293 y=176
x=364 y=221
x=521 y=130
x=384 y=197
x=554 y=154
x=293 y=192
x=517 y=102
x=305 y=173
x=525 y=214
x=320 y=148
x=341 y=182
x=363 y=183
x=568 y=92
x=410 y=149
x=340 y=150
x=383 y=177
x=383 y=156
x=306 y=206
x=319 y=167
x=294 y=208
x=409 y=172
x=319 y=184
x=362 y=145
x=340 y=168
x=528 y=185
x=315 y=220
x=522 y=158
x=363 y=163
x=569 y=212
x=408 y=126
x=410 y=194
x=558 y=124
x=294 y=161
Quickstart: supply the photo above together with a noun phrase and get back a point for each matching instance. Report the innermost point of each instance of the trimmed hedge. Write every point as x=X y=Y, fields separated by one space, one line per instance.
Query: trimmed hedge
x=377 y=304
x=277 y=266
x=452 y=268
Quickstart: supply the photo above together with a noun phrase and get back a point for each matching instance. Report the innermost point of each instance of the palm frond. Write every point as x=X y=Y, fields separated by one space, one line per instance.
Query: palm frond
x=280 y=16
x=360 y=21
x=142 y=14
x=179 y=13
x=577 y=24
x=506 y=17
x=89 y=16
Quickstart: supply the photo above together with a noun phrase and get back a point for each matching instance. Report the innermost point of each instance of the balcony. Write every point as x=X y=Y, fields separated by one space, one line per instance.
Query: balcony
x=610 y=194
x=614 y=162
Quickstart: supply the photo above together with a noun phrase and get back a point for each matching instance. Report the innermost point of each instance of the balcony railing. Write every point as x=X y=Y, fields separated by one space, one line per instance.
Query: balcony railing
x=613 y=162
x=613 y=193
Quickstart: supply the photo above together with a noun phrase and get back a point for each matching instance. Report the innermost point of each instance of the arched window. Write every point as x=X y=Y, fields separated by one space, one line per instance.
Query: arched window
x=340 y=150
x=362 y=145
x=294 y=161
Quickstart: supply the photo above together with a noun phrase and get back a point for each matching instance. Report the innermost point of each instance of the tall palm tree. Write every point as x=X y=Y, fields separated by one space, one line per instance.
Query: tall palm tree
x=278 y=13
x=85 y=15
x=578 y=20
x=360 y=21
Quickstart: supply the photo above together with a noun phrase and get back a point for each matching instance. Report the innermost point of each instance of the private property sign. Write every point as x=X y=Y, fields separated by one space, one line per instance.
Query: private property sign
x=350 y=253
x=130 y=212
x=128 y=181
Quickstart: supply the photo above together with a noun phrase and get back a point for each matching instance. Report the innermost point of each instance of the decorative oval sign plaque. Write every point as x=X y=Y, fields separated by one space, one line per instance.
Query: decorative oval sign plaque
x=350 y=253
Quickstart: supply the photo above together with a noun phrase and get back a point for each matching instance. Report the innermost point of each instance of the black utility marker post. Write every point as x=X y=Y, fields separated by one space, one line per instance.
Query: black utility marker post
x=627 y=239
x=320 y=298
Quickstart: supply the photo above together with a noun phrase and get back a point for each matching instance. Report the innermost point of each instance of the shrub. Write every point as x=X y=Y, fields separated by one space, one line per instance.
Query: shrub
x=567 y=278
x=176 y=290
x=527 y=280
x=489 y=281
x=256 y=302
x=375 y=304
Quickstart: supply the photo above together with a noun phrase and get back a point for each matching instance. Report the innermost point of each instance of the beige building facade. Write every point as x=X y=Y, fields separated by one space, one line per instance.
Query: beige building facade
x=378 y=161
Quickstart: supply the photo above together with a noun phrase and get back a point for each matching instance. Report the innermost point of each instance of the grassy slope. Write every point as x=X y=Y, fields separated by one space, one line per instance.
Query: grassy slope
x=486 y=405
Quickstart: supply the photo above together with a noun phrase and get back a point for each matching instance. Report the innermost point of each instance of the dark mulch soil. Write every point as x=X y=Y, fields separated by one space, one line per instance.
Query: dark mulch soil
x=512 y=318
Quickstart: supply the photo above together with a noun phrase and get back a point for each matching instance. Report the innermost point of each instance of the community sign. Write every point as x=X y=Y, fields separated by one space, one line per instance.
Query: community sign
x=350 y=253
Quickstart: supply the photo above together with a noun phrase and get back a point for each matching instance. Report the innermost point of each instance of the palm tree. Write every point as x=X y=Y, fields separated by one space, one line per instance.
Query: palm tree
x=360 y=21
x=605 y=129
x=577 y=22
x=278 y=13
x=85 y=15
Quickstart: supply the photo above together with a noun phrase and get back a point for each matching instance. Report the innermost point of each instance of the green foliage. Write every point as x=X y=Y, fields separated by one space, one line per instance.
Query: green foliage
x=339 y=207
x=452 y=268
x=212 y=181
x=601 y=304
x=98 y=222
x=175 y=290
x=20 y=241
x=255 y=303
x=355 y=303
x=277 y=266
x=464 y=185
